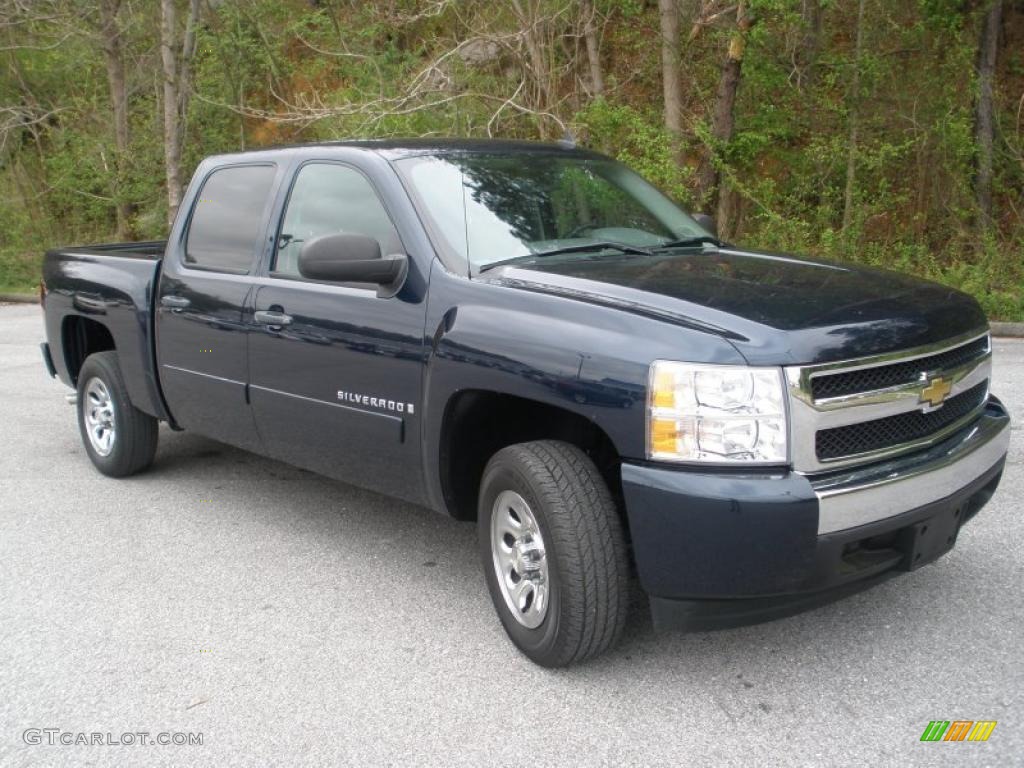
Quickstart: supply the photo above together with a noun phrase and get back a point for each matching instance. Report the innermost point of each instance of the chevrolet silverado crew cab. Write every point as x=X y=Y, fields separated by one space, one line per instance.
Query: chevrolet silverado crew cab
x=533 y=337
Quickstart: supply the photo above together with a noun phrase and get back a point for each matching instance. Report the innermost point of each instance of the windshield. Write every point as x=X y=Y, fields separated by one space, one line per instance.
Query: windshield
x=493 y=208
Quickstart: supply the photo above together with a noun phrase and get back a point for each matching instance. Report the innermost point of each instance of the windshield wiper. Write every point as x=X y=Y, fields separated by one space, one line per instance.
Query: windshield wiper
x=690 y=241
x=581 y=248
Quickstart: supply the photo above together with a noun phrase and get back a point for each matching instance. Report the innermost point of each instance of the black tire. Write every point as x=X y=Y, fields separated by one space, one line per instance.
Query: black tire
x=585 y=550
x=133 y=444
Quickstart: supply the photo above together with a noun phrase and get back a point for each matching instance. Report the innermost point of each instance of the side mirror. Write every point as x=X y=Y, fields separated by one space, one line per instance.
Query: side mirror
x=352 y=258
x=707 y=222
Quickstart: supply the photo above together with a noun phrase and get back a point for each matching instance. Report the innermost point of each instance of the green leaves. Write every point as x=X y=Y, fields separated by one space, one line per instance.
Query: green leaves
x=639 y=140
x=273 y=71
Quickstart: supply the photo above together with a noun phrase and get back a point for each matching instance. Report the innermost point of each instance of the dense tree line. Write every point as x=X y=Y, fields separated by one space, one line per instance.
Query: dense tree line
x=885 y=131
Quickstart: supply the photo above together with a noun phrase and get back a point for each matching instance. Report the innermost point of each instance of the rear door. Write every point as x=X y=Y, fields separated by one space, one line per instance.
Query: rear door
x=336 y=389
x=209 y=273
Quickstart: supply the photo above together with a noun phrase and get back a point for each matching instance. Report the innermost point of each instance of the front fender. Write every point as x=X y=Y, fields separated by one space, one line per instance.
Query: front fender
x=590 y=360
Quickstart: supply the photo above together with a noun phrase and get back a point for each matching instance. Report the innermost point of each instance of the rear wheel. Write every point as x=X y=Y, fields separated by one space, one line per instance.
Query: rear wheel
x=119 y=438
x=553 y=551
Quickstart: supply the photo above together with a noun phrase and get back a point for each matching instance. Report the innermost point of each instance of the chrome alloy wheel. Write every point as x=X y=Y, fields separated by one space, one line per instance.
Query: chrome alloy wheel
x=520 y=562
x=99 y=417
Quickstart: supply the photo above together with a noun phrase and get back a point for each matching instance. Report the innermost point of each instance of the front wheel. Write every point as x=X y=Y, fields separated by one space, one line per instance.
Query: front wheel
x=119 y=438
x=554 y=552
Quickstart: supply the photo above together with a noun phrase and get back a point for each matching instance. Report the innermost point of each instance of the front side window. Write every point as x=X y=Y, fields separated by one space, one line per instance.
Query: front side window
x=491 y=208
x=329 y=199
x=228 y=217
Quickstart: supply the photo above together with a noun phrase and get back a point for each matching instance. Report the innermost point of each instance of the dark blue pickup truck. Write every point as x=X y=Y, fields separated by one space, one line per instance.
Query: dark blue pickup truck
x=533 y=337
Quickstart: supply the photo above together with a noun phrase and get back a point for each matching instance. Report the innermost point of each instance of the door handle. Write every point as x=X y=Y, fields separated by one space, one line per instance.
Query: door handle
x=274 y=319
x=176 y=303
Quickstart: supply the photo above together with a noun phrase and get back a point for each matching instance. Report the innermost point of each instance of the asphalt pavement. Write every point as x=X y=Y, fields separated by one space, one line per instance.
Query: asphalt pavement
x=293 y=620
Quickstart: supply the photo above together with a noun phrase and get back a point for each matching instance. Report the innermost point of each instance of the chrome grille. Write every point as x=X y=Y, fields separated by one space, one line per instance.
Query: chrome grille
x=882 y=376
x=858 y=411
x=869 y=436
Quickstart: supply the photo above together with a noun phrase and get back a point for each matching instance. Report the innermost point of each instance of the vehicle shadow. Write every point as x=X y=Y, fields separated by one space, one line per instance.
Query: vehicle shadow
x=392 y=534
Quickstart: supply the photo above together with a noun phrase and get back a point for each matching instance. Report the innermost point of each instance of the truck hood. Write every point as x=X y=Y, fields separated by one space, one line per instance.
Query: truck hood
x=776 y=309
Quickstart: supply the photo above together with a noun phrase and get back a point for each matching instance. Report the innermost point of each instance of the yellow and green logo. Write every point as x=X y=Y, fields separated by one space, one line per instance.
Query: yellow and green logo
x=958 y=730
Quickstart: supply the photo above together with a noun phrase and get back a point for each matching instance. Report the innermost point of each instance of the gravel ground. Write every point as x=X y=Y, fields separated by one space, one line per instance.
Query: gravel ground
x=294 y=620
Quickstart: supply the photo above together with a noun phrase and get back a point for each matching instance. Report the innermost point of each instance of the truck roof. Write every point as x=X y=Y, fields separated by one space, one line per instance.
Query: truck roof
x=395 y=148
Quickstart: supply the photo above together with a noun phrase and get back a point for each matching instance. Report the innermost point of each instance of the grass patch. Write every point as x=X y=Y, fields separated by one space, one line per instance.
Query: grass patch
x=20 y=272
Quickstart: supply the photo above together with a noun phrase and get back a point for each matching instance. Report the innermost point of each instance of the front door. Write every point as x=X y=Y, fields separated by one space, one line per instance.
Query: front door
x=202 y=338
x=335 y=384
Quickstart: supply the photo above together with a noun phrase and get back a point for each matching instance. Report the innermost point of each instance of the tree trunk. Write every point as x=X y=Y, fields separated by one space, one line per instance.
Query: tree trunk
x=110 y=36
x=172 y=126
x=593 y=50
x=984 y=121
x=854 y=107
x=670 y=75
x=529 y=23
x=723 y=120
x=188 y=50
x=806 y=58
x=176 y=84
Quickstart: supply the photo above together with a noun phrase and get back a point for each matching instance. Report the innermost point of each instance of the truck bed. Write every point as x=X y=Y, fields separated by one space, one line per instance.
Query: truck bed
x=148 y=249
x=105 y=289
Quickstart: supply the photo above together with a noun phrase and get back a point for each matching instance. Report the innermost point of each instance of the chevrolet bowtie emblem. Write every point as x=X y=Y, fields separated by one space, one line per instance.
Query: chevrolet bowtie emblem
x=935 y=392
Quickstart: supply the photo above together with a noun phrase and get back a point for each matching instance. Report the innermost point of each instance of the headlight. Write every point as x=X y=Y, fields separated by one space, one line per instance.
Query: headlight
x=716 y=414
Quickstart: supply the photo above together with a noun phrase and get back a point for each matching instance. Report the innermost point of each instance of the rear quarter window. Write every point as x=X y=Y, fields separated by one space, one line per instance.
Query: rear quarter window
x=228 y=217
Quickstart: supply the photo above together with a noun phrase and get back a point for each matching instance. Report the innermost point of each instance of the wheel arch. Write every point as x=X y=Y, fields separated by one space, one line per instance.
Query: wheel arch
x=81 y=337
x=477 y=423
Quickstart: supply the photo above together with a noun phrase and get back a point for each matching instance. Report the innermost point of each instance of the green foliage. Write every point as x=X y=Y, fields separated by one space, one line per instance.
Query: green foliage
x=394 y=69
x=19 y=269
x=638 y=140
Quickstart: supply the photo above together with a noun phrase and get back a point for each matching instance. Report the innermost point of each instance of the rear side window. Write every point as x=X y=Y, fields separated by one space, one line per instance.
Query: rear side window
x=227 y=218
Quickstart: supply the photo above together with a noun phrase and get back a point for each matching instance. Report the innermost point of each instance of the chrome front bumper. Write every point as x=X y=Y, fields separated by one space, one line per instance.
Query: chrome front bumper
x=855 y=497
